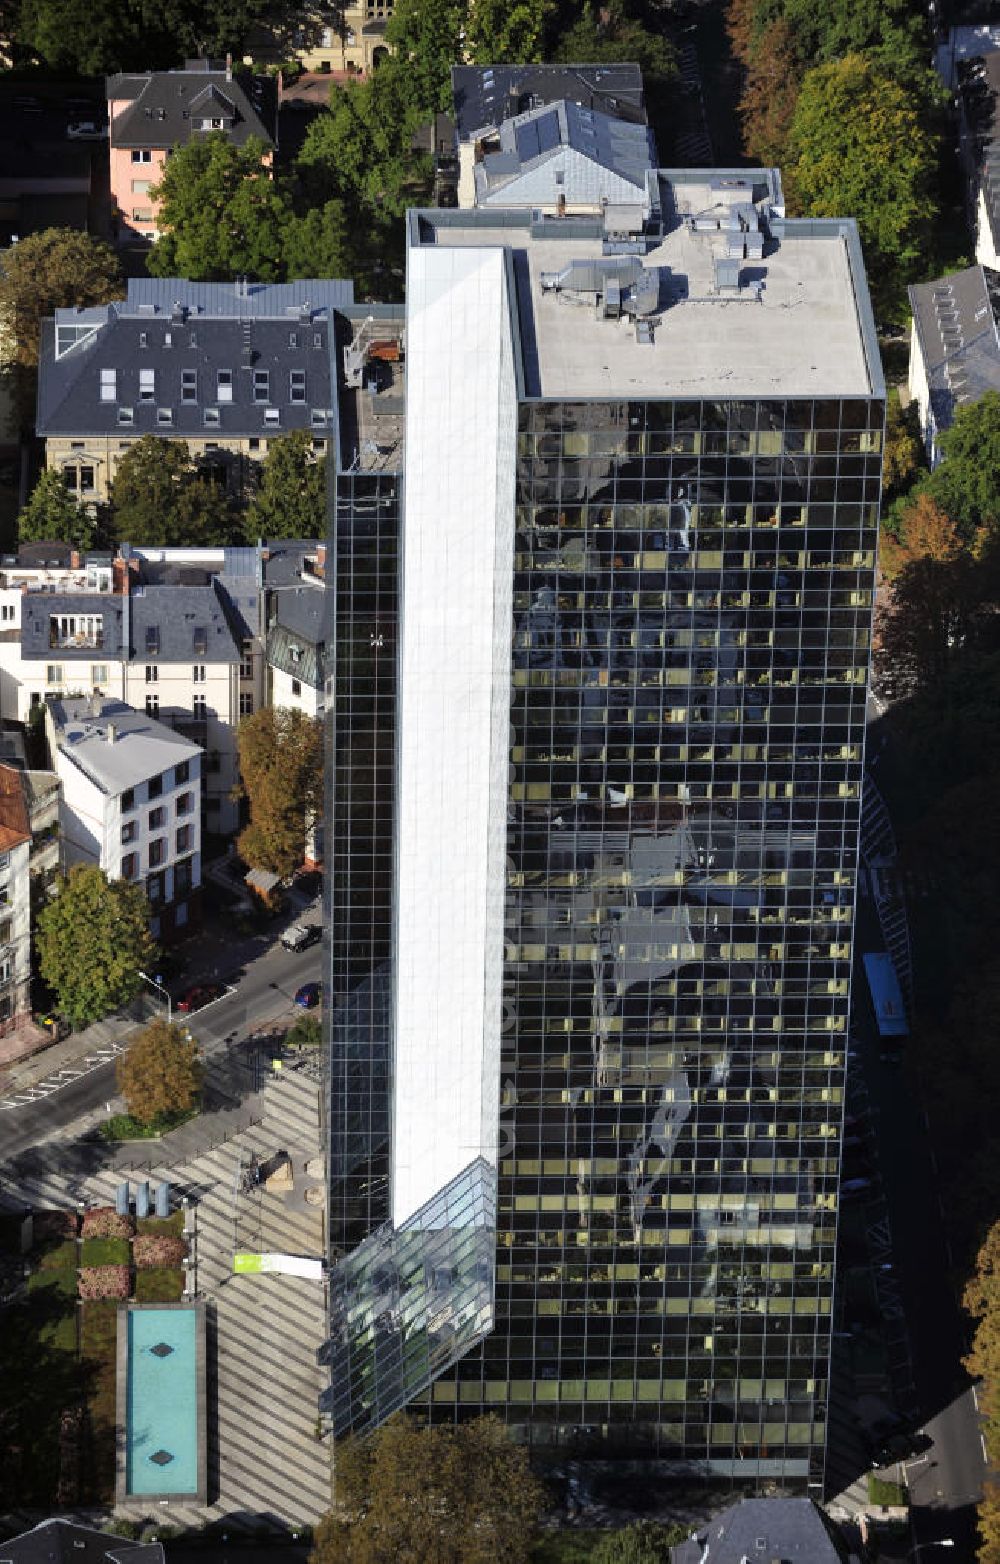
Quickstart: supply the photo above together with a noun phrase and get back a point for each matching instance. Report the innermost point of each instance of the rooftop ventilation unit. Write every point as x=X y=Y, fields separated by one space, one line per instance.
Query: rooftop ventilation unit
x=625 y=286
x=727 y=273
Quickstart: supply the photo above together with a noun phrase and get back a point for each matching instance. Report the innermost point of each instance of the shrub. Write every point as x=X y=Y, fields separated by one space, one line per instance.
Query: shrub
x=159 y=1286
x=104 y=1222
x=149 y=1251
x=104 y=1251
x=54 y=1226
x=104 y=1281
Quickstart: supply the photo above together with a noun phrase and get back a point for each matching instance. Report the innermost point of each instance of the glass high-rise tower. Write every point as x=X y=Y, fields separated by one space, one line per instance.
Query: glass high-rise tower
x=602 y=1045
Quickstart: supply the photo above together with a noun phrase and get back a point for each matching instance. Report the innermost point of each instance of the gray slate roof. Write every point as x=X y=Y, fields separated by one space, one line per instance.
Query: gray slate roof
x=979 y=87
x=793 y=1531
x=211 y=329
x=484 y=96
x=166 y=107
x=167 y=624
x=956 y=320
x=183 y=618
x=299 y=627
x=565 y=149
x=62 y=1542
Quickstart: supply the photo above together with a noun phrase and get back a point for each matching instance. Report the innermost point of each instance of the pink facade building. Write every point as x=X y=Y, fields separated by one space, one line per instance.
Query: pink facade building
x=151 y=114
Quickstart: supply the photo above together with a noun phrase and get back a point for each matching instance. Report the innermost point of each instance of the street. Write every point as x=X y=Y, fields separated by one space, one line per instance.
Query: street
x=946 y=1481
x=263 y=992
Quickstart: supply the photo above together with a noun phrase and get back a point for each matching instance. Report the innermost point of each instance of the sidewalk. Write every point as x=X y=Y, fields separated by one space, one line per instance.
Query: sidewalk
x=102 y=1036
x=212 y=951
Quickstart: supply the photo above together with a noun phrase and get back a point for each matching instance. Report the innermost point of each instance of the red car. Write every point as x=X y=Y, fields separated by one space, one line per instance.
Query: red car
x=202 y=994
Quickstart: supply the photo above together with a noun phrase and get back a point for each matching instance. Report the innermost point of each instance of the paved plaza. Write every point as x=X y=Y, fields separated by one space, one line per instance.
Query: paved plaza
x=265 y=1460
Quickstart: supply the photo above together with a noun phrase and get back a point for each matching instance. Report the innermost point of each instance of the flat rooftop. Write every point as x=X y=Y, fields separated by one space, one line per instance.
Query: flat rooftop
x=794 y=327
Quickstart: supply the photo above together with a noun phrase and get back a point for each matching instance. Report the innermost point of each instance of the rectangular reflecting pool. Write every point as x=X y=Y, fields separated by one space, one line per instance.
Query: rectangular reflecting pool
x=161 y=1402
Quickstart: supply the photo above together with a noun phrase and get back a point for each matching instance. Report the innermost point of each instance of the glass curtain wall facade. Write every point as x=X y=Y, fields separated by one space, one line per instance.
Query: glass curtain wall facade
x=361 y=725
x=690 y=643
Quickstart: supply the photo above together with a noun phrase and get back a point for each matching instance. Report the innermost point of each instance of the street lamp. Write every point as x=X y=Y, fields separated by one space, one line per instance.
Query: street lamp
x=159 y=986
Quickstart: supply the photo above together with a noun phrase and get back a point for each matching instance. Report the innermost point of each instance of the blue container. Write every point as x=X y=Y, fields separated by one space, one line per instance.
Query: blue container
x=163 y=1199
x=142 y=1198
x=122 y=1199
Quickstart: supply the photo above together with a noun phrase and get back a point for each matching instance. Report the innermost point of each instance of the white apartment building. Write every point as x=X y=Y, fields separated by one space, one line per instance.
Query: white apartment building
x=131 y=797
x=177 y=633
x=15 y=901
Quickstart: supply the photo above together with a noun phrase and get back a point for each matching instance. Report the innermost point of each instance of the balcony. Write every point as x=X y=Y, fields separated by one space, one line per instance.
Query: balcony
x=73 y=635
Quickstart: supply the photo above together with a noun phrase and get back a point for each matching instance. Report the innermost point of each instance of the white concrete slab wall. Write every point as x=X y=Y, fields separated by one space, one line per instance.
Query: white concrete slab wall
x=454 y=718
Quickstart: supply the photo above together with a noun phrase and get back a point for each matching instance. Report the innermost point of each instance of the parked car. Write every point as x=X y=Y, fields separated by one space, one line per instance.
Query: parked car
x=301 y=935
x=308 y=996
x=198 y=997
x=86 y=130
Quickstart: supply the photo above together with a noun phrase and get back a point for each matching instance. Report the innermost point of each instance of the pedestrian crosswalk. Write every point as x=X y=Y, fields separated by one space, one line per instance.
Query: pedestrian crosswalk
x=266 y=1461
x=60 y=1078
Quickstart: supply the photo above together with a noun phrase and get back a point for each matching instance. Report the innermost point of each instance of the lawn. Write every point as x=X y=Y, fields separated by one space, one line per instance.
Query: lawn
x=61 y=1258
x=106 y=1251
x=59 y=1284
x=159 y=1286
x=173 y=1224
x=881 y=1491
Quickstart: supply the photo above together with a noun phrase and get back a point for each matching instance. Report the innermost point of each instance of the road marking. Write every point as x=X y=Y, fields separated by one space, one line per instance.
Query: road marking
x=975 y=1398
x=982 y=1441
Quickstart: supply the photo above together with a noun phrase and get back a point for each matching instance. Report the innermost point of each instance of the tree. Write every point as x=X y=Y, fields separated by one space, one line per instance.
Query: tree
x=981 y=1300
x=859 y=144
x=221 y=213
x=462 y=1495
x=91 y=37
x=52 y=513
x=93 y=941
x=361 y=151
x=160 y=1073
x=318 y=244
x=966 y=484
x=925 y=533
x=291 y=499
x=49 y=271
x=925 y=623
x=777 y=41
x=281 y=765
x=989 y=1523
x=427 y=37
x=645 y=1542
x=500 y=32
x=160 y=499
x=904 y=449
x=306 y=1033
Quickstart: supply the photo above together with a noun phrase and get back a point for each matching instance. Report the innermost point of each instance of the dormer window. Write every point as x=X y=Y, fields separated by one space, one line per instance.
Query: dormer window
x=109 y=385
x=200 y=640
x=164 y=416
x=224 y=386
x=297 y=385
x=126 y=417
x=152 y=640
x=272 y=417
x=189 y=385
x=213 y=418
x=147 y=385
x=261 y=385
